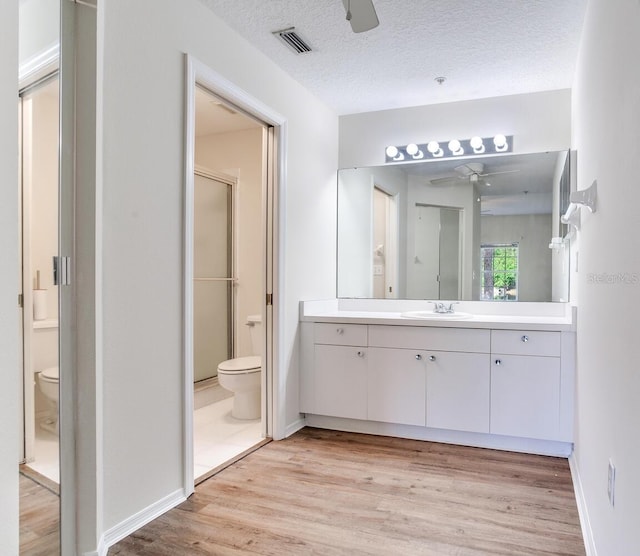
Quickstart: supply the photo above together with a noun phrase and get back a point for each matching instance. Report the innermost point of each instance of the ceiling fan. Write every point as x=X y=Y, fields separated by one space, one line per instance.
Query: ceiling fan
x=472 y=172
x=361 y=14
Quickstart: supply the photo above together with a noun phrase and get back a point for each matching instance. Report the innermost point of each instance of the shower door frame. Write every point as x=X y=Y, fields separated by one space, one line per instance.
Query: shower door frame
x=232 y=183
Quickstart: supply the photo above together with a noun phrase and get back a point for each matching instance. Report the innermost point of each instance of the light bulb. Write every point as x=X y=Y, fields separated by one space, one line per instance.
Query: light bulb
x=477 y=145
x=392 y=151
x=414 y=151
x=500 y=141
x=434 y=148
x=455 y=147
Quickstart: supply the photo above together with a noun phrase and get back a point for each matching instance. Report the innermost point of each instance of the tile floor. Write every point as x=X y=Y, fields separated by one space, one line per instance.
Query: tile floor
x=46 y=453
x=218 y=437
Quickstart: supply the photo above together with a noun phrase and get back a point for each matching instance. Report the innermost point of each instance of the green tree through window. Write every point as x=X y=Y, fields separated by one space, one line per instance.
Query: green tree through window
x=499 y=272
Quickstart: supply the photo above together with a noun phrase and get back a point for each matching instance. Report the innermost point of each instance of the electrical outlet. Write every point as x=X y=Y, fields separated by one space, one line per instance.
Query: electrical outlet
x=611 y=485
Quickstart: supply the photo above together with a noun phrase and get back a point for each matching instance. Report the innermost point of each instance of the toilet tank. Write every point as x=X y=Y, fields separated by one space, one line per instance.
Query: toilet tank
x=254 y=322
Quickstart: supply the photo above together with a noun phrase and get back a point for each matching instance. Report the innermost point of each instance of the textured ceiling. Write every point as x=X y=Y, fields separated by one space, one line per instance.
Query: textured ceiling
x=484 y=48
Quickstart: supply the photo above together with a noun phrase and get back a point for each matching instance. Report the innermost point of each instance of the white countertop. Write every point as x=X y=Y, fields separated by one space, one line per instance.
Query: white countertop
x=532 y=317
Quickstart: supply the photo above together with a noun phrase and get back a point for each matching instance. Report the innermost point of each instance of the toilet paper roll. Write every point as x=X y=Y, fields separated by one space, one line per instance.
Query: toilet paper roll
x=39 y=304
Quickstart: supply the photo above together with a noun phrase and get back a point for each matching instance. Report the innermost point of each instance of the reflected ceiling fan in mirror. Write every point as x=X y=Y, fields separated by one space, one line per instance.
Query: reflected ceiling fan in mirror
x=471 y=172
x=361 y=14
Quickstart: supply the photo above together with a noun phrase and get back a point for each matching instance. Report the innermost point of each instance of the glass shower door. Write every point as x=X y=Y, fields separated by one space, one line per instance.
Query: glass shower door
x=213 y=275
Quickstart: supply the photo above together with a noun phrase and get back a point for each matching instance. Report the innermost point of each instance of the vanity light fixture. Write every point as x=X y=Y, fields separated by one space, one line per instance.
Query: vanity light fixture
x=454 y=148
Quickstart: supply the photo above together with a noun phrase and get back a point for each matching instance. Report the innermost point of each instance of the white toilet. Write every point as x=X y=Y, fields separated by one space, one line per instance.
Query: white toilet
x=243 y=376
x=49 y=384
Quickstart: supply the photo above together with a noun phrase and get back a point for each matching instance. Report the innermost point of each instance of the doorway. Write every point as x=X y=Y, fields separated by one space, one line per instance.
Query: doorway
x=438 y=251
x=39 y=225
x=385 y=244
x=229 y=235
x=39 y=233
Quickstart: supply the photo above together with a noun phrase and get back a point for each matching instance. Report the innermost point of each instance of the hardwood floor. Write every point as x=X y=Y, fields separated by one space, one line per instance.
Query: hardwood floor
x=332 y=493
x=39 y=519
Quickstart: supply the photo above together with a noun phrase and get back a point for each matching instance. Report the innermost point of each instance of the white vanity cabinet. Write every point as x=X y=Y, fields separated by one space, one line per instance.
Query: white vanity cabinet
x=458 y=391
x=396 y=386
x=434 y=377
x=340 y=370
x=526 y=383
x=471 y=383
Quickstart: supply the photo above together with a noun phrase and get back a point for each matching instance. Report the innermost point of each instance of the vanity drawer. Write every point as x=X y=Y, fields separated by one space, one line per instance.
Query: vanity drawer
x=425 y=337
x=523 y=342
x=340 y=334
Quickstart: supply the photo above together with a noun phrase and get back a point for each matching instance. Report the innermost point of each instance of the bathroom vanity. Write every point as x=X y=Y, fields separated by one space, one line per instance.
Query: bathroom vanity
x=501 y=378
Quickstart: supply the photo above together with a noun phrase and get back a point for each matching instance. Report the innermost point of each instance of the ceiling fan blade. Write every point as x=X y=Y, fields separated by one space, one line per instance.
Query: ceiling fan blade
x=469 y=169
x=496 y=173
x=361 y=14
x=441 y=181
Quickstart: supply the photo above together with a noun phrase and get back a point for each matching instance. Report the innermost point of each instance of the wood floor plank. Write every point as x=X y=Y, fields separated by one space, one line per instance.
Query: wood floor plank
x=39 y=519
x=333 y=493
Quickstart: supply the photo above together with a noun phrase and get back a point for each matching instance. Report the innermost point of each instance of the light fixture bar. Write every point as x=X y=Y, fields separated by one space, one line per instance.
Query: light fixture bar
x=454 y=148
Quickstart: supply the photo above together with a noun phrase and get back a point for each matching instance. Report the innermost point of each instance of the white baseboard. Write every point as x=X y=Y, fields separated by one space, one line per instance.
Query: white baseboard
x=295 y=427
x=133 y=523
x=479 y=440
x=583 y=512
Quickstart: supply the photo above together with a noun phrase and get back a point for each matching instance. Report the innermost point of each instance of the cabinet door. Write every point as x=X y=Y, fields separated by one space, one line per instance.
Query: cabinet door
x=340 y=381
x=458 y=390
x=525 y=396
x=396 y=383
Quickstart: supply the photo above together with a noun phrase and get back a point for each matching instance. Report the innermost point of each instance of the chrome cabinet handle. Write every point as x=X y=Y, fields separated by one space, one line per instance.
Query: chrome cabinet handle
x=361 y=354
x=498 y=361
x=418 y=357
x=340 y=330
x=432 y=358
x=525 y=338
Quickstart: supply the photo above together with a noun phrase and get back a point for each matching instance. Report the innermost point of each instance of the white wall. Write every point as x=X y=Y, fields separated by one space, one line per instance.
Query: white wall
x=142 y=236
x=9 y=371
x=531 y=231
x=538 y=121
x=606 y=136
x=39 y=27
x=43 y=174
x=355 y=227
x=239 y=154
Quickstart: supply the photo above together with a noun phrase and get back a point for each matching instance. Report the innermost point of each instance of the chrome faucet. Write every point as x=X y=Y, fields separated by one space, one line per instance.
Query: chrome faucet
x=439 y=307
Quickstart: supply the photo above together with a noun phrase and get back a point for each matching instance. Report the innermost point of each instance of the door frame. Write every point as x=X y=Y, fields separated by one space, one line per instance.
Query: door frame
x=272 y=263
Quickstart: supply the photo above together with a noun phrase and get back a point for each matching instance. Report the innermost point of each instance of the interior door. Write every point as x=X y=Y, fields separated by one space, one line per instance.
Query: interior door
x=213 y=275
x=427 y=253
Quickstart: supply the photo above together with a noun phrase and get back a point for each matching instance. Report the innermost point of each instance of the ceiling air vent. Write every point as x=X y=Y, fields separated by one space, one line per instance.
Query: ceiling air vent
x=292 y=40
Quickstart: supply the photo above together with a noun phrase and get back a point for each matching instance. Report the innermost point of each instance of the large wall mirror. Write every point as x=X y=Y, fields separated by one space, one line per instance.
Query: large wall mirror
x=457 y=229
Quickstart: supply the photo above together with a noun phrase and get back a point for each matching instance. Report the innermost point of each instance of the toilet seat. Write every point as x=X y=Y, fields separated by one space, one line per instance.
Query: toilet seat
x=51 y=374
x=241 y=365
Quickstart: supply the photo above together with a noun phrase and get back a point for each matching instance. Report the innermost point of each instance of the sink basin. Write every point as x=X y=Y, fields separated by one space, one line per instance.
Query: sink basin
x=430 y=315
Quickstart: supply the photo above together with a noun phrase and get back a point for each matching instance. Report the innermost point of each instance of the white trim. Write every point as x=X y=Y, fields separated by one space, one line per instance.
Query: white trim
x=39 y=65
x=294 y=427
x=195 y=71
x=139 y=519
x=583 y=511
x=554 y=448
